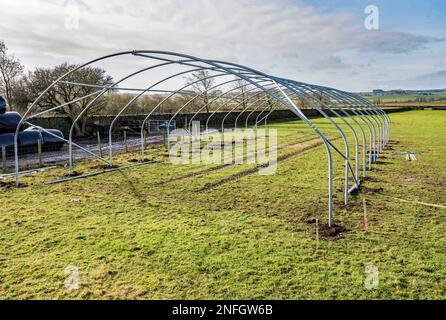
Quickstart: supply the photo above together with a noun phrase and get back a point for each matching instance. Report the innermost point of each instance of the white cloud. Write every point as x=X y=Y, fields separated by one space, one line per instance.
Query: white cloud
x=281 y=37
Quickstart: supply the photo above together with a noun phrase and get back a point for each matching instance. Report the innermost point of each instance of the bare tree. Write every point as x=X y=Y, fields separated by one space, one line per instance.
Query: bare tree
x=36 y=82
x=241 y=92
x=201 y=83
x=10 y=70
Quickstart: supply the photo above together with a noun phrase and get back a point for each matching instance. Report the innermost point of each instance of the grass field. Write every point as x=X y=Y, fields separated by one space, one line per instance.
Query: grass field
x=156 y=232
x=439 y=98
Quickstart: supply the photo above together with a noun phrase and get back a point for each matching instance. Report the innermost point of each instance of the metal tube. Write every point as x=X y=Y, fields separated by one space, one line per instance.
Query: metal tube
x=136 y=98
x=344 y=137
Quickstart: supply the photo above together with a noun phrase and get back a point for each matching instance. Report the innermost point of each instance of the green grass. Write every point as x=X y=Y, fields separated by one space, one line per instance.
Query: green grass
x=248 y=238
x=437 y=97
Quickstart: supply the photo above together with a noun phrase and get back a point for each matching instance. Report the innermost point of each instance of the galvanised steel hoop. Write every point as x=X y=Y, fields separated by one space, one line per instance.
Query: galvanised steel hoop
x=378 y=135
x=279 y=90
x=355 y=176
x=210 y=102
x=160 y=104
x=346 y=104
x=347 y=152
x=346 y=156
x=227 y=103
x=385 y=118
x=365 y=117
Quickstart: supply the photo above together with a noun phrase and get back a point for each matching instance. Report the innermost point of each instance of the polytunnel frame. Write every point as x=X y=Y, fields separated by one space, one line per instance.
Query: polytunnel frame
x=348 y=165
x=346 y=156
x=240 y=72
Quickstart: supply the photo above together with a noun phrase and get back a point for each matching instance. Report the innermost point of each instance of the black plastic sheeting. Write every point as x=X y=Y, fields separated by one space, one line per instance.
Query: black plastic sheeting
x=9 y=122
x=7 y=139
x=50 y=136
x=8 y=126
x=28 y=138
x=2 y=105
x=31 y=136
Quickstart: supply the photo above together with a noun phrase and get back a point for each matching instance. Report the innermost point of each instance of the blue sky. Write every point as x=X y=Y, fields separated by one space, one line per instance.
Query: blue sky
x=318 y=41
x=412 y=15
x=417 y=17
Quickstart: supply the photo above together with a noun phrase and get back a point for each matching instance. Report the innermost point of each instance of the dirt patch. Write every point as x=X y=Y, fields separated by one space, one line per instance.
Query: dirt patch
x=73 y=174
x=369 y=190
x=11 y=184
x=311 y=221
x=333 y=233
x=103 y=167
x=371 y=179
x=7 y=185
x=352 y=204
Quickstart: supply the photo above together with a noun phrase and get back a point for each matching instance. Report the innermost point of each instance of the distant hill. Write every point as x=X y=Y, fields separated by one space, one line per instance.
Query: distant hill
x=429 y=96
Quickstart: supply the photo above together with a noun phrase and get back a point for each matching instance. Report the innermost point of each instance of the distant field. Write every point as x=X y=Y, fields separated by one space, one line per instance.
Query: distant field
x=435 y=99
x=158 y=232
x=415 y=104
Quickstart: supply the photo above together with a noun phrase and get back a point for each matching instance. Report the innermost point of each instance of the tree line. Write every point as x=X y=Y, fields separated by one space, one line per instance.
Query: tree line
x=21 y=88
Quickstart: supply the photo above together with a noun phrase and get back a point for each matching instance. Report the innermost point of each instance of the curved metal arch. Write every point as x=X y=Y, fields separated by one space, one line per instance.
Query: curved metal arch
x=346 y=156
x=278 y=89
x=162 y=102
x=214 y=100
x=385 y=118
x=327 y=145
x=315 y=106
x=265 y=118
x=265 y=109
x=151 y=87
x=376 y=117
x=90 y=104
x=207 y=104
x=232 y=110
x=356 y=173
x=332 y=94
x=58 y=80
x=372 y=115
x=167 y=98
x=356 y=111
x=365 y=117
x=348 y=165
x=247 y=109
x=286 y=101
x=221 y=106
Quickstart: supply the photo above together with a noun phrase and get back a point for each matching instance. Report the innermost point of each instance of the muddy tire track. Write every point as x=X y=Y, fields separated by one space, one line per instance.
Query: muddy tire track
x=224 y=166
x=211 y=186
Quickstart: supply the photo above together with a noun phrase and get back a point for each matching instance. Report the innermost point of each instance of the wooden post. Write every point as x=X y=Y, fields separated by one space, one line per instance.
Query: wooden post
x=366 y=219
x=4 y=158
x=39 y=152
x=165 y=138
x=125 y=142
x=98 y=134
